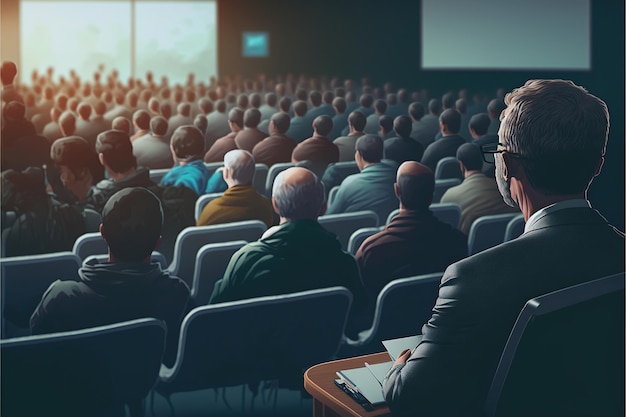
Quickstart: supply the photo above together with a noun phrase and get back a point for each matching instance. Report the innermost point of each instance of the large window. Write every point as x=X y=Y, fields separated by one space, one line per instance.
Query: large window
x=172 y=38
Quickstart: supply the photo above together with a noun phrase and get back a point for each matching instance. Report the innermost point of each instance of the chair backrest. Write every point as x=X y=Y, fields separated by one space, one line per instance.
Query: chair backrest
x=93 y=219
x=213 y=166
x=274 y=337
x=343 y=169
x=90 y=244
x=332 y=194
x=191 y=239
x=358 y=237
x=203 y=200
x=81 y=372
x=446 y=212
x=156 y=175
x=273 y=173
x=448 y=167
x=487 y=232
x=442 y=185
x=24 y=281
x=155 y=257
x=260 y=178
x=344 y=224
x=541 y=329
x=211 y=262
x=402 y=307
x=514 y=228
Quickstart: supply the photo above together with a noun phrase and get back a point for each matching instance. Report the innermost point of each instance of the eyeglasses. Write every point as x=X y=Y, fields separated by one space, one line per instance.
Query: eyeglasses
x=490 y=150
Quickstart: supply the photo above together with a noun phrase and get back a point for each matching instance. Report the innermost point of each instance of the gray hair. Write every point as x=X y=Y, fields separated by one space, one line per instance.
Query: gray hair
x=298 y=201
x=241 y=164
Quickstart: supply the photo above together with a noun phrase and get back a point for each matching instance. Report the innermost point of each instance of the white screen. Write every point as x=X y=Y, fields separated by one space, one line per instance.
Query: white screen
x=172 y=38
x=510 y=34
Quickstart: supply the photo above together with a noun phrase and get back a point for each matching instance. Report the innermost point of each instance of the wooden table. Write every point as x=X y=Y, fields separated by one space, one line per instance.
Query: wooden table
x=328 y=399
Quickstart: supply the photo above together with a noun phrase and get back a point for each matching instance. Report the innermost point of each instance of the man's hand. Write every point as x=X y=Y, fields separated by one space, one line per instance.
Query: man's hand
x=402 y=357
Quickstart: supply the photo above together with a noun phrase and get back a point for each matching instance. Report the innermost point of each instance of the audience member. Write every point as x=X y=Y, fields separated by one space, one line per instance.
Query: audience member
x=371 y=123
x=277 y=147
x=297 y=255
x=141 y=124
x=370 y=189
x=477 y=195
x=67 y=123
x=187 y=146
x=8 y=72
x=415 y=242
x=346 y=144
x=386 y=131
x=300 y=127
x=547 y=127
x=449 y=122
x=425 y=127
x=226 y=143
x=240 y=201
x=181 y=118
x=318 y=149
x=249 y=136
x=217 y=124
x=121 y=123
x=115 y=152
x=478 y=126
x=126 y=287
x=340 y=119
x=153 y=149
x=403 y=148
x=494 y=109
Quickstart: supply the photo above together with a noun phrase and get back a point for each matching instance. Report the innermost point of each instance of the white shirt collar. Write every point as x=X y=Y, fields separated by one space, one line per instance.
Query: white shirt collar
x=561 y=205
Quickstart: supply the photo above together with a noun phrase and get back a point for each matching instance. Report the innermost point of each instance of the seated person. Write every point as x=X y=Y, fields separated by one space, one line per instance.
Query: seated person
x=187 y=146
x=240 y=201
x=478 y=194
x=449 y=123
x=226 y=143
x=318 y=149
x=370 y=189
x=115 y=152
x=297 y=255
x=415 y=242
x=403 y=147
x=127 y=286
x=250 y=135
x=277 y=147
x=153 y=149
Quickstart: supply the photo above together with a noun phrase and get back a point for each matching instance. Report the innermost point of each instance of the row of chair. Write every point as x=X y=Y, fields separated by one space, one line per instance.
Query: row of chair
x=276 y=337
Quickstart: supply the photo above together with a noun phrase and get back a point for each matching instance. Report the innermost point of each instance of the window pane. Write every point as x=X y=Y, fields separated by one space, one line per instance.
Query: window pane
x=175 y=38
x=77 y=35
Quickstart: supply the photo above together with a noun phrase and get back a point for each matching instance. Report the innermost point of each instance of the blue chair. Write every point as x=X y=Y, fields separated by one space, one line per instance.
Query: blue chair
x=402 y=307
x=24 y=281
x=331 y=194
x=90 y=244
x=514 y=228
x=359 y=236
x=487 y=232
x=191 y=239
x=211 y=262
x=448 y=167
x=260 y=178
x=344 y=224
x=275 y=337
x=203 y=200
x=87 y=372
x=273 y=173
x=547 y=328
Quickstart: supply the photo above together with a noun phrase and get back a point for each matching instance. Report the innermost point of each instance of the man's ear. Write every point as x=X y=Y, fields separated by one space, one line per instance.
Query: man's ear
x=511 y=166
x=101 y=229
x=396 y=190
x=101 y=158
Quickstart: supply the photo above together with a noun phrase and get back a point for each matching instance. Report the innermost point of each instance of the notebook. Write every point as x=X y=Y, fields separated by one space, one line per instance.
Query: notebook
x=363 y=381
x=396 y=346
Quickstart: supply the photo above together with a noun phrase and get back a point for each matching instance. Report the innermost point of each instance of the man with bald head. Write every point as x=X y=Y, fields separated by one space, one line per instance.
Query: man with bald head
x=297 y=255
x=240 y=201
x=318 y=149
x=415 y=242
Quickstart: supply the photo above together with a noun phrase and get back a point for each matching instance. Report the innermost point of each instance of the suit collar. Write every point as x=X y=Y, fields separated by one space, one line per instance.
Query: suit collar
x=565 y=217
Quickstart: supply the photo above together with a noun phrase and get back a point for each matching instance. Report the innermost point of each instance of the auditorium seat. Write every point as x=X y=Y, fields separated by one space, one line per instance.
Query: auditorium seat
x=514 y=228
x=359 y=236
x=90 y=244
x=449 y=213
x=156 y=175
x=344 y=224
x=487 y=232
x=441 y=186
x=273 y=173
x=448 y=167
x=203 y=200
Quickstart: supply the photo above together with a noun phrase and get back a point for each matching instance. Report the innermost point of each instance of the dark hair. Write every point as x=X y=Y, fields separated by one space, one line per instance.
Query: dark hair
x=496 y=106
x=131 y=223
x=242 y=101
x=447 y=100
x=252 y=117
x=471 y=156
x=84 y=110
x=117 y=150
x=403 y=125
x=380 y=106
x=370 y=147
x=340 y=104
x=416 y=110
x=299 y=108
x=8 y=71
x=357 y=120
x=281 y=121
x=220 y=105
x=386 y=122
x=480 y=123
x=284 y=104
x=316 y=98
x=75 y=153
x=158 y=125
x=270 y=99
x=187 y=142
x=434 y=106
x=452 y=119
x=255 y=100
x=323 y=125
x=235 y=116
x=142 y=119
x=366 y=100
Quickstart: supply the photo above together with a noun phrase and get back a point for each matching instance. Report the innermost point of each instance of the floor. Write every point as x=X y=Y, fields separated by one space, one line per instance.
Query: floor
x=232 y=402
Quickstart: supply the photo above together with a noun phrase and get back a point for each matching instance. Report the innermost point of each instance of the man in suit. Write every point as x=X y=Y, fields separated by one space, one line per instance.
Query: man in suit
x=544 y=167
x=318 y=149
x=478 y=194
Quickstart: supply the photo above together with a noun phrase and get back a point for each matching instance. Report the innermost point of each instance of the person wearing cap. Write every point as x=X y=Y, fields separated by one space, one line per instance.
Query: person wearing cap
x=187 y=146
x=125 y=287
x=371 y=188
x=115 y=152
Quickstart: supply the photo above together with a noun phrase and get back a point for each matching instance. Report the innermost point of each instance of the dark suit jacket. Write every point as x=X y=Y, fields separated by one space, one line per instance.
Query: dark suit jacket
x=403 y=149
x=274 y=149
x=480 y=297
x=220 y=148
x=446 y=146
x=317 y=149
x=248 y=137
